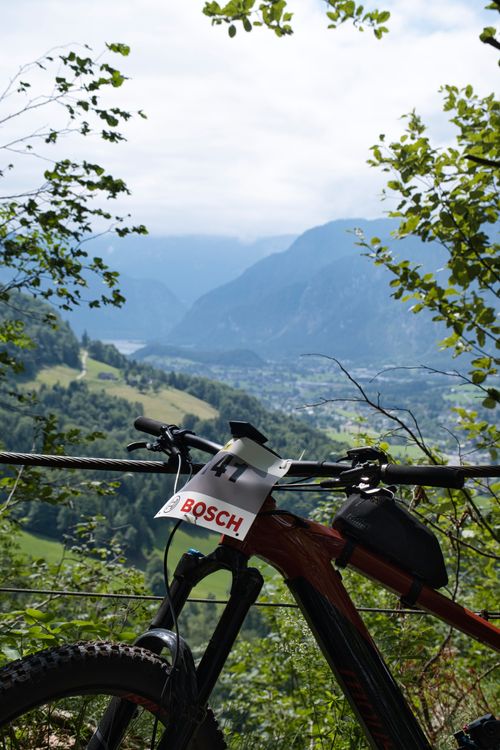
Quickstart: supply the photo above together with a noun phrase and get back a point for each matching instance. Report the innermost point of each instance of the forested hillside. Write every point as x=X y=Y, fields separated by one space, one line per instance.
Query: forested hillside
x=322 y=295
x=89 y=407
x=53 y=345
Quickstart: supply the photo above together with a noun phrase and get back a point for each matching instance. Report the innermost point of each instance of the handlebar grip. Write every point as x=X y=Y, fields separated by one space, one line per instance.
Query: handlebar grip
x=430 y=476
x=482 y=471
x=151 y=426
x=154 y=427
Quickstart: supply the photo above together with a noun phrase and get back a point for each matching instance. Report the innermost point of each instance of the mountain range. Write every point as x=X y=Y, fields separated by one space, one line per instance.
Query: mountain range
x=320 y=295
x=161 y=277
x=277 y=297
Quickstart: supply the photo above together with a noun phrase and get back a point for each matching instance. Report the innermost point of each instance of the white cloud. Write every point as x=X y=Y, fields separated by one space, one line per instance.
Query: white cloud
x=257 y=134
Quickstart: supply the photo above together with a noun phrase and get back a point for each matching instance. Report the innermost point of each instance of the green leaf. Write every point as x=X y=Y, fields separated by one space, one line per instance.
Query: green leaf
x=490 y=403
x=488 y=32
x=447 y=219
x=119 y=48
x=38 y=614
x=232 y=30
x=478 y=377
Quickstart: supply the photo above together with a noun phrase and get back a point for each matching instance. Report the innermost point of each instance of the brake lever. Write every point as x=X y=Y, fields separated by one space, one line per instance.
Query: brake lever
x=367 y=474
x=169 y=442
x=155 y=447
x=137 y=446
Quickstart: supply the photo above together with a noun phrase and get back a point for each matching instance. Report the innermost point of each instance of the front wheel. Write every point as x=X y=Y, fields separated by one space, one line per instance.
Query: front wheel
x=55 y=699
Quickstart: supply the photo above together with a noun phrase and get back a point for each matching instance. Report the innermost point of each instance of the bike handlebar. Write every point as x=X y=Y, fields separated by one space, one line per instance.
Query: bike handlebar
x=156 y=428
x=431 y=476
x=150 y=426
x=452 y=477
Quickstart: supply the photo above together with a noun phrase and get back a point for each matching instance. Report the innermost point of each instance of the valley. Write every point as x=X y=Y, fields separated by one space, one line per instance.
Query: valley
x=314 y=389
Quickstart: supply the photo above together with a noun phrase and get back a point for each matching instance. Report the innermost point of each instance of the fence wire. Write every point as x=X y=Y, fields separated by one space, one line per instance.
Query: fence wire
x=485 y=614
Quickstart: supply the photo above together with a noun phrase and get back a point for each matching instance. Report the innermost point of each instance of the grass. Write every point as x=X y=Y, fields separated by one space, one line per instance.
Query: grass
x=93 y=367
x=403 y=452
x=341 y=436
x=216 y=585
x=167 y=404
x=40 y=547
x=59 y=374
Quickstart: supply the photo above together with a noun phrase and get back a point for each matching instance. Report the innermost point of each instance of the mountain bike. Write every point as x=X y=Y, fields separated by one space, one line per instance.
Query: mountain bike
x=60 y=697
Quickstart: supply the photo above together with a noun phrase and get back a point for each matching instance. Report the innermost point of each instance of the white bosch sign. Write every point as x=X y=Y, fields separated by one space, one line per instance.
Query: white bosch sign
x=206 y=511
x=226 y=495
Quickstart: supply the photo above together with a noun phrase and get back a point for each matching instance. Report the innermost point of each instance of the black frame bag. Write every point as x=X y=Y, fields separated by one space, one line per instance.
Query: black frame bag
x=383 y=525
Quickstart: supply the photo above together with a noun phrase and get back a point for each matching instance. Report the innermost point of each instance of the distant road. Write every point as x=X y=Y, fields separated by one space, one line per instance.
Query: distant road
x=82 y=374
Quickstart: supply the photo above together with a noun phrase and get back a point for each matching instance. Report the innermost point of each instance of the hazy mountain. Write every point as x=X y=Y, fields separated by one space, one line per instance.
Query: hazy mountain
x=150 y=312
x=160 y=277
x=321 y=294
x=188 y=265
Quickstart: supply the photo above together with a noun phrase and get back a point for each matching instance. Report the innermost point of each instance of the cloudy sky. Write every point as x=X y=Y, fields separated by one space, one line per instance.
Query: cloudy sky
x=258 y=135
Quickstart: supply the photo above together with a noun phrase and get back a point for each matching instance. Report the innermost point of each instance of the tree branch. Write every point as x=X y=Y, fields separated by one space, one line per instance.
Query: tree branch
x=415 y=434
x=493 y=42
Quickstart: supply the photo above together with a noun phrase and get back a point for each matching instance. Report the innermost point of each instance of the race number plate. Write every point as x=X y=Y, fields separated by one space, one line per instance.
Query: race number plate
x=226 y=495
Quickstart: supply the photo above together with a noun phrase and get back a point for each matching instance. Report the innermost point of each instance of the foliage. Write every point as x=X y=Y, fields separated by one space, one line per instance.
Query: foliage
x=28 y=492
x=51 y=502
x=44 y=227
x=274 y=15
x=445 y=680
x=50 y=620
x=106 y=353
x=43 y=231
x=283 y=689
x=489 y=33
x=449 y=196
x=277 y=691
x=54 y=345
x=446 y=196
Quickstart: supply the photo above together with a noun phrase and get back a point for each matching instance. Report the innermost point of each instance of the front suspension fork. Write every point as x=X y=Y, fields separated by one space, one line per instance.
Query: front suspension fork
x=190 y=686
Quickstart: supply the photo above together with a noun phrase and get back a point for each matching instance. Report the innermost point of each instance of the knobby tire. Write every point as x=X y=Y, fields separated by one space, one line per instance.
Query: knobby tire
x=55 y=698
